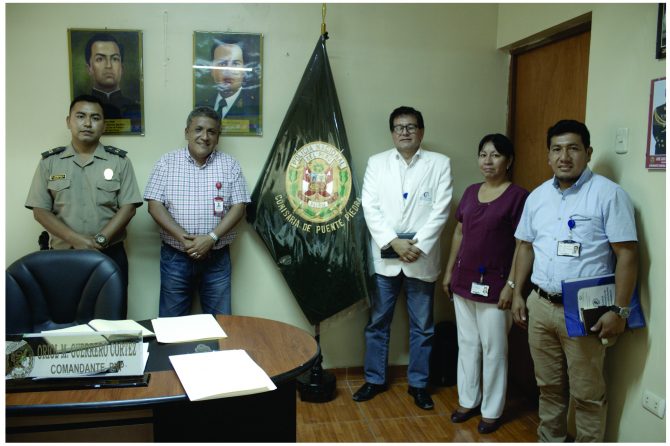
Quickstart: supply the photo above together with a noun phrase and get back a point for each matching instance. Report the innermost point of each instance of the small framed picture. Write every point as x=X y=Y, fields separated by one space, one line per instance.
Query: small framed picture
x=660 y=32
x=228 y=76
x=656 y=132
x=107 y=64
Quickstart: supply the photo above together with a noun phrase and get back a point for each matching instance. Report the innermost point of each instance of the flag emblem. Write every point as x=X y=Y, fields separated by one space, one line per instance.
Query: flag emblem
x=318 y=182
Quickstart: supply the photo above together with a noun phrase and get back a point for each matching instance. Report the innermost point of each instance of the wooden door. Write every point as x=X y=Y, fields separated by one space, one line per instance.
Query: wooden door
x=548 y=83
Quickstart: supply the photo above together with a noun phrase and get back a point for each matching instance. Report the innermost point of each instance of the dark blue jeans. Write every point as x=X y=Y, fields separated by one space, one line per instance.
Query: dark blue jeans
x=181 y=276
x=421 y=329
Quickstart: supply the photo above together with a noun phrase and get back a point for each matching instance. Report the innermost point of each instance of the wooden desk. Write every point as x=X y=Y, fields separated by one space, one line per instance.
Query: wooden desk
x=162 y=412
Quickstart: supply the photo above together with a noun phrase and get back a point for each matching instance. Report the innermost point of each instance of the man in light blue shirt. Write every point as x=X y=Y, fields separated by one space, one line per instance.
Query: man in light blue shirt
x=576 y=225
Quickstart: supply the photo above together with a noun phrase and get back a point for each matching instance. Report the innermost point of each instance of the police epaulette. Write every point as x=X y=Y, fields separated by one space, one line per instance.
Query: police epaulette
x=115 y=151
x=53 y=151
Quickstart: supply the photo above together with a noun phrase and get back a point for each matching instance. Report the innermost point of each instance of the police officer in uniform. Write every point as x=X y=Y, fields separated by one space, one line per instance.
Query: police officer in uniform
x=85 y=194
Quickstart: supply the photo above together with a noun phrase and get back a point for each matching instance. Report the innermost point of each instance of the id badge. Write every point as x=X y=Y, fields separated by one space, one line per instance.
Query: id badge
x=479 y=289
x=569 y=248
x=218 y=206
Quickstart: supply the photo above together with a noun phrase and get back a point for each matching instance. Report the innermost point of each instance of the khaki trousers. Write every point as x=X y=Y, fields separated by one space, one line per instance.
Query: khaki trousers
x=566 y=367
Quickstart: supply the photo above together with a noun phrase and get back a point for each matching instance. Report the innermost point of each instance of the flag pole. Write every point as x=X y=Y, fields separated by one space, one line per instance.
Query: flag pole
x=317 y=385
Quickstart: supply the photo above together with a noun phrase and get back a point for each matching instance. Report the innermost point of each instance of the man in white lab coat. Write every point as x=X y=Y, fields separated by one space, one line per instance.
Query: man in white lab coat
x=406 y=197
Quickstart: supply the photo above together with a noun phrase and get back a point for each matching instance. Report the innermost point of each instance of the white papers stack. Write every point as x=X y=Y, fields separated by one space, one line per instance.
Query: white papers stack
x=220 y=374
x=88 y=335
x=103 y=325
x=196 y=327
x=83 y=328
x=125 y=325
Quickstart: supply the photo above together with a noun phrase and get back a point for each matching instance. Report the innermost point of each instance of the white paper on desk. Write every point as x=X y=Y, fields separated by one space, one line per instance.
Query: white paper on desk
x=220 y=374
x=124 y=325
x=83 y=330
x=196 y=327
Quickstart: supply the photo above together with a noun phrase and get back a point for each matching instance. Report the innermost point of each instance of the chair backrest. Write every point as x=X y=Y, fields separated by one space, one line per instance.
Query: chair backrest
x=59 y=288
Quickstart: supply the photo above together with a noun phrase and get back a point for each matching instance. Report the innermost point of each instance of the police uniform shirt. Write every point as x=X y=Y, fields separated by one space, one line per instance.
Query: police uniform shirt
x=85 y=196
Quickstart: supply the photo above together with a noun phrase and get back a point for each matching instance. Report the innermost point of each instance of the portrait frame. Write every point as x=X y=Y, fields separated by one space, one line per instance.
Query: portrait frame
x=656 y=151
x=122 y=93
x=242 y=84
x=660 y=32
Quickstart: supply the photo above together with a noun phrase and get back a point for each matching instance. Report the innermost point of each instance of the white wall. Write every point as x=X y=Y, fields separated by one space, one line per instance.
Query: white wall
x=441 y=59
x=621 y=65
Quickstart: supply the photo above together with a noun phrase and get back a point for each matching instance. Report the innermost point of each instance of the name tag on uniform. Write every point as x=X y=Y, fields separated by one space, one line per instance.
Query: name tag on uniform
x=479 y=289
x=569 y=248
x=57 y=177
x=218 y=205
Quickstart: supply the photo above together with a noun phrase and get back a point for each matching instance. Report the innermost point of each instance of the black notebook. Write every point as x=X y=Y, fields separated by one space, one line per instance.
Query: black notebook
x=591 y=316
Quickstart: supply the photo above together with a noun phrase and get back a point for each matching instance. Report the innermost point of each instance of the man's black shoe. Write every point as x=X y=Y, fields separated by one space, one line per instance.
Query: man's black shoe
x=421 y=398
x=369 y=391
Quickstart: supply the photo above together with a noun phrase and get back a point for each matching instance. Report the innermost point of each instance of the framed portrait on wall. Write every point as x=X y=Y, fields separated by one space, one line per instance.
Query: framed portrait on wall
x=660 y=32
x=107 y=64
x=228 y=76
x=656 y=132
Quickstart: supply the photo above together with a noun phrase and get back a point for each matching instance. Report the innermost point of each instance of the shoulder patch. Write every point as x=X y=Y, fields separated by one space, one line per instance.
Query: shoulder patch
x=53 y=151
x=113 y=150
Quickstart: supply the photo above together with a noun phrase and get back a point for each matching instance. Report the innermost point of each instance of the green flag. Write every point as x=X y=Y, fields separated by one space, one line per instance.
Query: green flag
x=306 y=205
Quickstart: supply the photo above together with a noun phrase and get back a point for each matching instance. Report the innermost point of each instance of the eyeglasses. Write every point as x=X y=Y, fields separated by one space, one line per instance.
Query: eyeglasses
x=399 y=129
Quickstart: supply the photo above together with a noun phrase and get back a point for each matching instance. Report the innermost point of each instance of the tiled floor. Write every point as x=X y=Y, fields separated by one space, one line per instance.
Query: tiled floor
x=393 y=417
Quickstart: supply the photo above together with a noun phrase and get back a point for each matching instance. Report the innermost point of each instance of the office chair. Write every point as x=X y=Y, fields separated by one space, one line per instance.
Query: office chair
x=52 y=289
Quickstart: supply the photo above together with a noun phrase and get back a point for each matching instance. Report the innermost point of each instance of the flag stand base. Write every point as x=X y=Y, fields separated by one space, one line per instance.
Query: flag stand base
x=316 y=385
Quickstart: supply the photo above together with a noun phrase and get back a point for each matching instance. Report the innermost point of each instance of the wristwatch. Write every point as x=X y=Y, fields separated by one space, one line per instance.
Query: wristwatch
x=622 y=312
x=101 y=240
x=511 y=284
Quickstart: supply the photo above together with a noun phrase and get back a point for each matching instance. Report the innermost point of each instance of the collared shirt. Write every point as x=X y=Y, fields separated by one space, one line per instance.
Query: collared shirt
x=602 y=213
x=85 y=196
x=399 y=197
x=188 y=190
x=229 y=102
x=105 y=94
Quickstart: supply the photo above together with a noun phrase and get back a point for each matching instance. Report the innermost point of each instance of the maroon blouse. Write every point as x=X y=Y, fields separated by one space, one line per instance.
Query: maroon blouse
x=488 y=241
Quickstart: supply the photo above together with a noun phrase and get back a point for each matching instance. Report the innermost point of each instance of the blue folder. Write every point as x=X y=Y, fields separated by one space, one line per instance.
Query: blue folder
x=571 y=289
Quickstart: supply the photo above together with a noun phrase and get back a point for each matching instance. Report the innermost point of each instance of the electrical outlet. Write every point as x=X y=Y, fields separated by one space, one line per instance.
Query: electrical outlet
x=653 y=403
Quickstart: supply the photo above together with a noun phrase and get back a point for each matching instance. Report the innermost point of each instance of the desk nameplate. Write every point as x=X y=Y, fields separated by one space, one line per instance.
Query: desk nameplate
x=69 y=355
